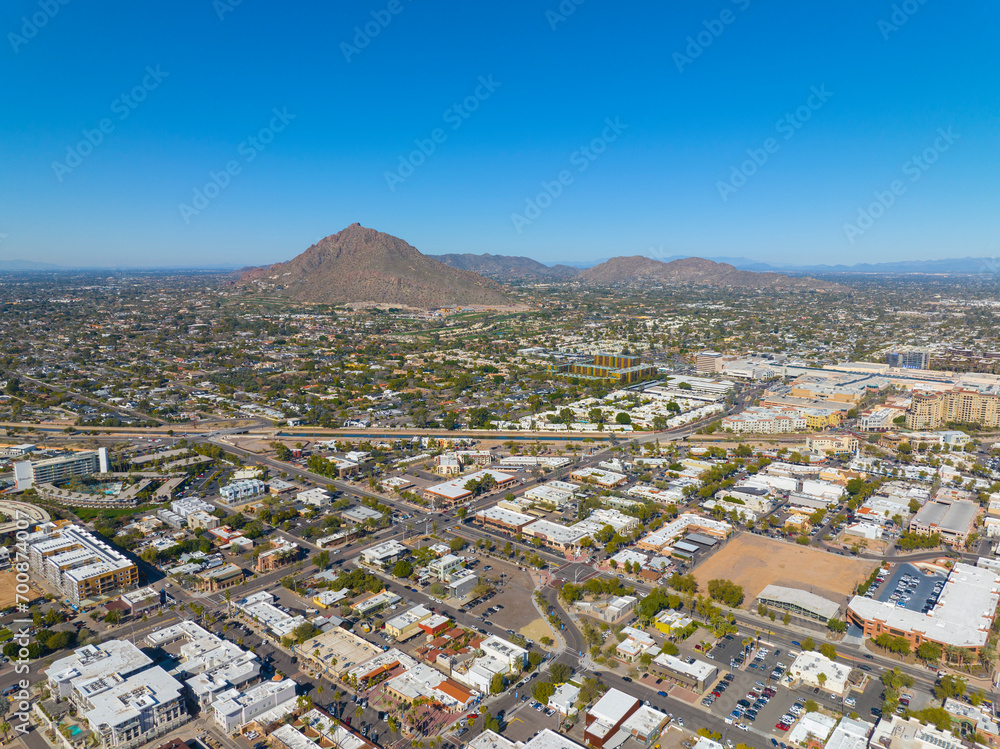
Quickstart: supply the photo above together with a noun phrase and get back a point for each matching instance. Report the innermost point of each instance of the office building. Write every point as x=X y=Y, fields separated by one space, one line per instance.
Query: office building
x=908 y=358
x=962 y=616
x=29 y=473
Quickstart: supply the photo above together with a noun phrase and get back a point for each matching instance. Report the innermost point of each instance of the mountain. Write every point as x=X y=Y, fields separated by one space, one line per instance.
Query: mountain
x=17 y=265
x=948 y=265
x=638 y=269
x=363 y=265
x=508 y=267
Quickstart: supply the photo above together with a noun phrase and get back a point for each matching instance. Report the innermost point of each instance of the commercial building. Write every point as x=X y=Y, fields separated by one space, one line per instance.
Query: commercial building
x=962 y=617
x=384 y=554
x=698 y=675
x=952 y=519
x=406 y=625
x=849 y=734
x=29 y=473
x=315 y=497
x=456 y=491
x=219 y=578
x=895 y=732
x=707 y=362
x=816 y=670
x=505 y=521
x=607 y=716
x=335 y=651
x=798 y=602
x=275 y=558
x=603 y=479
x=832 y=443
x=81 y=567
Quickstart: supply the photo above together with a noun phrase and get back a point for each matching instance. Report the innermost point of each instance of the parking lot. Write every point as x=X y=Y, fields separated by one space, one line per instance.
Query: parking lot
x=911 y=588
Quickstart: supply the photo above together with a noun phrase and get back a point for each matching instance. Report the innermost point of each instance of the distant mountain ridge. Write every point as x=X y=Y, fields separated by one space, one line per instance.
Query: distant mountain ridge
x=507 y=267
x=639 y=269
x=362 y=265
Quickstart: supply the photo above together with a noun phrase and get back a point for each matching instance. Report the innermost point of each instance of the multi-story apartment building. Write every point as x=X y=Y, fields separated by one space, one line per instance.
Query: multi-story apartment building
x=127 y=712
x=242 y=491
x=126 y=700
x=29 y=473
x=960 y=405
x=79 y=565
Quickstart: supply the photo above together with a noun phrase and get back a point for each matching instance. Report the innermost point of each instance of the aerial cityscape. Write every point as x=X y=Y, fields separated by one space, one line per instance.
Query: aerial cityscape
x=538 y=376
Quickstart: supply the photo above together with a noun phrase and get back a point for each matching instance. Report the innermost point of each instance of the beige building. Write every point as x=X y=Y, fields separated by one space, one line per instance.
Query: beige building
x=963 y=405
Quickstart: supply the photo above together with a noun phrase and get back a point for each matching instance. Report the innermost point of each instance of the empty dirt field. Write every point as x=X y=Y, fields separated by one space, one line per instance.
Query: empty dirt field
x=755 y=561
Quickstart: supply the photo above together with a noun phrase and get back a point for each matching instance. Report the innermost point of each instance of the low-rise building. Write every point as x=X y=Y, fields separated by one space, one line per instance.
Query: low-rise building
x=607 y=716
x=407 y=624
x=816 y=670
x=798 y=602
x=697 y=675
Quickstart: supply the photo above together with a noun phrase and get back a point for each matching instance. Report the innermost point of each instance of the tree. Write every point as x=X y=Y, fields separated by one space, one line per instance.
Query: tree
x=321 y=560
x=559 y=673
x=456 y=544
x=949 y=686
x=542 y=691
x=827 y=649
x=725 y=591
x=929 y=651
x=836 y=625
x=403 y=569
x=496 y=684
x=623 y=418
x=808 y=644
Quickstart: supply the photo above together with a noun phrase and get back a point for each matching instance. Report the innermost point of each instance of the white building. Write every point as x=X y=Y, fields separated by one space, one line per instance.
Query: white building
x=315 y=497
x=233 y=708
x=810 y=666
x=91 y=661
x=125 y=712
x=243 y=491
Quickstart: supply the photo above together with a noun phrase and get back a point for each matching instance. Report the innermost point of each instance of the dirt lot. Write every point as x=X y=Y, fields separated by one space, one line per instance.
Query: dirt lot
x=8 y=596
x=754 y=562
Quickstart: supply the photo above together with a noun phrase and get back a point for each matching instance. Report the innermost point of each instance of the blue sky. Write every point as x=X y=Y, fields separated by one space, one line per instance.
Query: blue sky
x=719 y=144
